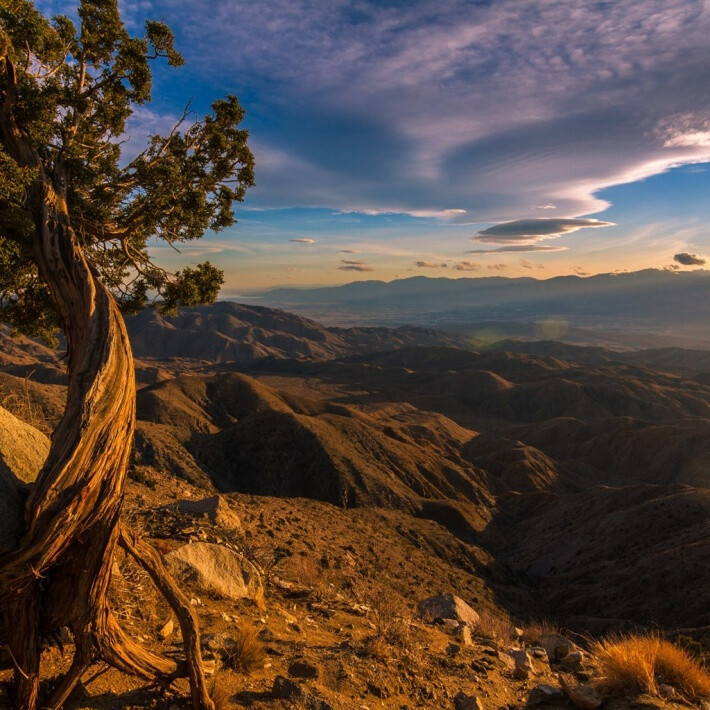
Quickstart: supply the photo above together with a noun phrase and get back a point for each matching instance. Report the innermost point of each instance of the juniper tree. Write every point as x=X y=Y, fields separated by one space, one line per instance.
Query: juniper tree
x=76 y=223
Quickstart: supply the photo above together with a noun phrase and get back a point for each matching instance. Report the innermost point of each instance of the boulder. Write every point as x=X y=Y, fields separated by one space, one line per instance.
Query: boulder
x=216 y=570
x=23 y=449
x=582 y=695
x=215 y=508
x=542 y=694
x=556 y=646
x=448 y=606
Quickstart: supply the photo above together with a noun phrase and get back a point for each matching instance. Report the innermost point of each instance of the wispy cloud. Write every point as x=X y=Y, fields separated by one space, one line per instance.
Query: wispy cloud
x=303 y=240
x=430 y=265
x=463 y=111
x=530 y=265
x=579 y=270
x=356 y=267
x=518 y=248
x=529 y=231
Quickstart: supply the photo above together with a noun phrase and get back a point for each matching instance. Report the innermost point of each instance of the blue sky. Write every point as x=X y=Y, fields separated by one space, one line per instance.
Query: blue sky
x=393 y=138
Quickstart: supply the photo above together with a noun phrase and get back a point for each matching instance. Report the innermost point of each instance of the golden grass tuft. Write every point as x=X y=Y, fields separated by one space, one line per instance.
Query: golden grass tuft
x=631 y=665
x=220 y=696
x=247 y=652
x=533 y=631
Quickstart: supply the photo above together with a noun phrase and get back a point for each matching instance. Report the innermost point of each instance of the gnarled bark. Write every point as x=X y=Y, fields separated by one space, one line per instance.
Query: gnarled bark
x=60 y=572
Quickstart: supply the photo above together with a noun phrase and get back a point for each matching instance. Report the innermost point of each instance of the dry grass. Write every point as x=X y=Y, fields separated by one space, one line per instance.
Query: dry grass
x=260 y=599
x=533 y=631
x=247 y=652
x=220 y=696
x=630 y=665
x=25 y=408
x=495 y=627
x=393 y=623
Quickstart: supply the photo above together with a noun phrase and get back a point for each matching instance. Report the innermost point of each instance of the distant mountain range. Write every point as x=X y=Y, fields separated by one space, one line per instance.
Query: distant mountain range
x=655 y=302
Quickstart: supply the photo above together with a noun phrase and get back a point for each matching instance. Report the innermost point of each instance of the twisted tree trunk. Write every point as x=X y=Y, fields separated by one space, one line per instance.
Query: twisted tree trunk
x=60 y=572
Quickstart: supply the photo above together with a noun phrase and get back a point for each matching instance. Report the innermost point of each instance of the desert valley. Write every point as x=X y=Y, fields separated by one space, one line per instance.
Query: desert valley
x=360 y=471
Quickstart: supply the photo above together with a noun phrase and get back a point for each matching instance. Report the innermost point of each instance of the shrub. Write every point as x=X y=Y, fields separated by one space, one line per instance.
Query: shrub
x=495 y=627
x=639 y=664
x=247 y=652
x=533 y=631
x=220 y=696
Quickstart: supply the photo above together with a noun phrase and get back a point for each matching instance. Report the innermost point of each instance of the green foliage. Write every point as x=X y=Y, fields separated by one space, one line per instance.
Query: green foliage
x=68 y=91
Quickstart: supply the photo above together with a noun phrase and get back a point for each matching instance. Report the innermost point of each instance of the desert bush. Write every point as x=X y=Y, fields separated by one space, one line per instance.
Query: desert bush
x=246 y=653
x=534 y=630
x=629 y=665
x=495 y=627
x=392 y=621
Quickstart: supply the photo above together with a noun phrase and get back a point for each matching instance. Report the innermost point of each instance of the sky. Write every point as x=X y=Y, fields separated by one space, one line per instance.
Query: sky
x=460 y=138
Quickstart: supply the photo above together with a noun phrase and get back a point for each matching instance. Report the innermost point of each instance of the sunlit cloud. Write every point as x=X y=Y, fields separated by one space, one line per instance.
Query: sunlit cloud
x=518 y=248
x=303 y=240
x=497 y=267
x=466 y=266
x=532 y=230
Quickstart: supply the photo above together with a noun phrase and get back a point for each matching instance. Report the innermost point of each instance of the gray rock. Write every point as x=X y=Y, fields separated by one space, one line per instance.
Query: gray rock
x=556 y=646
x=216 y=569
x=523 y=662
x=506 y=659
x=542 y=694
x=582 y=695
x=215 y=508
x=448 y=606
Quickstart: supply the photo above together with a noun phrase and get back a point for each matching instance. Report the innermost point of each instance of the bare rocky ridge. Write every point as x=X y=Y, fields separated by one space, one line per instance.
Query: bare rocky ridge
x=530 y=483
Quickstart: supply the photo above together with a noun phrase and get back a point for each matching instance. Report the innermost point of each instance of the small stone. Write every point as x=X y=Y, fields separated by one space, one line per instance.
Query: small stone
x=286 y=689
x=573 y=661
x=302 y=669
x=666 y=691
x=462 y=701
x=557 y=646
x=523 y=662
x=165 y=632
x=463 y=635
x=542 y=693
x=583 y=696
x=452 y=649
x=506 y=660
